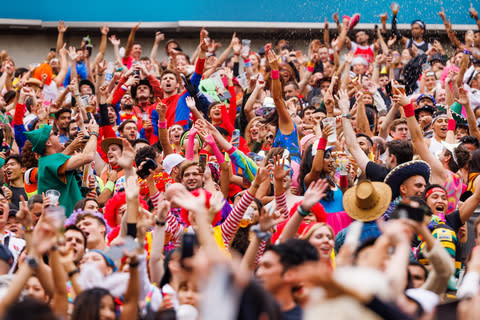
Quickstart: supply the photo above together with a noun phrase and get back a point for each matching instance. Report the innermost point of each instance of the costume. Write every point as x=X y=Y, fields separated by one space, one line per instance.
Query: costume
x=52 y=175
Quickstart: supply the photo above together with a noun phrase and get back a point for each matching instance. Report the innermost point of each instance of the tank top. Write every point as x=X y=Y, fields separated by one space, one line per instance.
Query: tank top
x=289 y=142
x=365 y=52
x=435 y=146
x=422 y=46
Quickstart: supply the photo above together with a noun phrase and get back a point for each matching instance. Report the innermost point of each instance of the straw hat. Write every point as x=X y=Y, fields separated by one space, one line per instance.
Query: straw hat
x=367 y=201
x=109 y=141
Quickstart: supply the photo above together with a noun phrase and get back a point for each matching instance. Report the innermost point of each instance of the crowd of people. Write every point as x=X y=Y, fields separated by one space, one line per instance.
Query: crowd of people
x=233 y=183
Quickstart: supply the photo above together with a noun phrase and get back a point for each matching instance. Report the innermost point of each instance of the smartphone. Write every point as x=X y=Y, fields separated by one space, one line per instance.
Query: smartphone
x=225 y=96
x=189 y=242
x=425 y=66
x=236 y=138
x=89 y=49
x=203 y=161
x=388 y=89
x=405 y=211
x=145 y=171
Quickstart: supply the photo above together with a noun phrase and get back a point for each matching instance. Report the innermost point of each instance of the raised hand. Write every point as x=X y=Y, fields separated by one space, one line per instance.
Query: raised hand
x=104 y=29
x=131 y=188
x=267 y=220
x=203 y=40
x=272 y=60
x=72 y=53
x=279 y=172
x=128 y=154
x=326 y=131
x=159 y=37
x=462 y=97
x=314 y=193
x=61 y=27
x=190 y=103
x=114 y=41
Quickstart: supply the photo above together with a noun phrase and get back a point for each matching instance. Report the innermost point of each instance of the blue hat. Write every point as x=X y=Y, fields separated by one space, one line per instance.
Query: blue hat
x=404 y=171
x=108 y=260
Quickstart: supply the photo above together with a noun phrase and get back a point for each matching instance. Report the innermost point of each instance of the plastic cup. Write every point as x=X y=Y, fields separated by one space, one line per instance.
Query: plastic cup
x=85 y=99
x=56 y=215
x=331 y=121
x=53 y=196
x=342 y=165
x=245 y=47
x=400 y=88
x=145 y=117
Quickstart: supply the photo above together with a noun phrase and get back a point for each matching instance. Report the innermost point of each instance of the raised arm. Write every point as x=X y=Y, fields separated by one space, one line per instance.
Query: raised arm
x=62 y=28
x=438 y=173
x=317 y=165
x=159 y=37
x=285 y=123
x=448 y=27
x=314 y=193
x=350 y=138
x=162 y=128
x=103 y=45
x=131 y=39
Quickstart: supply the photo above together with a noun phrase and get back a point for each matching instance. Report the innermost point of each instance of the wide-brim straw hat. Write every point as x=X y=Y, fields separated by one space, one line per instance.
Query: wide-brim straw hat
x=109 y=141
x=367 y=201
x=404 y=171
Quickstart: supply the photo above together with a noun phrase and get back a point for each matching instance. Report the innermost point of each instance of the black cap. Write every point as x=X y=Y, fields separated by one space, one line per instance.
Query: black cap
x=88 y=83
x=141 y=82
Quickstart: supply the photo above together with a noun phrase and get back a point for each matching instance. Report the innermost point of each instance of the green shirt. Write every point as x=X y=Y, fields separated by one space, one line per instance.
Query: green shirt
x=50 y=178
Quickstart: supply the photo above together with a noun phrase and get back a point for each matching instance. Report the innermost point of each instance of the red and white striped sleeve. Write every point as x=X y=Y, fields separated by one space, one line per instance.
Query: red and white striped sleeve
x=260 y=251
x=281 y=205
x=230 y=226
x=172 y=227
x=156 y=199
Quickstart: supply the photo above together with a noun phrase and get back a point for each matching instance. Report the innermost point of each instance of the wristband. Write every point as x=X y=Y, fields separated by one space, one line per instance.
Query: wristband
x=310 y=69
x=134 y=264
x=275 y=74
x=162 y=124
x=93 y=133
x=467 y=51
x=73 y=272
x=124 y=87
x=322 y=144
x=451 y=125
x=302 y=212
x=247 y=64
x=263 y=236
x=110 y=185
x=409 y=112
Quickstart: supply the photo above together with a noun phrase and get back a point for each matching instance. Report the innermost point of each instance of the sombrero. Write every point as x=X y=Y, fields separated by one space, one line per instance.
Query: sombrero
x=109 y=141
x=404 y=171
x=367 y=201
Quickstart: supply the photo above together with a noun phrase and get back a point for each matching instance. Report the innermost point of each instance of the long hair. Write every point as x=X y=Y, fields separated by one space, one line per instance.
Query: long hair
x=306 y=167
x=474 y=162
x=87 y=304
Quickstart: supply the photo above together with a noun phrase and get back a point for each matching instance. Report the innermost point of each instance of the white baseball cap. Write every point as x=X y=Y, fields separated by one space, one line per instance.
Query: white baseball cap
x=172 y=160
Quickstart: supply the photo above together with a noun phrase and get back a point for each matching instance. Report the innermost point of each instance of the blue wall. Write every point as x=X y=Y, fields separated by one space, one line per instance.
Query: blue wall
x=231 y=10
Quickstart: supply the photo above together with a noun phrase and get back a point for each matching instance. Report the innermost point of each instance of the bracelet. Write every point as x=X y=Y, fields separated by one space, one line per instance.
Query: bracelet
x=263 y=236
x=160 y=223
x=124 y=87
x=451 y=125
x=322 y=144
x=28 y=229
x=93 y=133
x=409 y=112
x=110 y=185
x=302 y=212
x=467 y=51
x=162 y=124
x=76 y=95
x=275 y=74
x=73 y=272
x=134 y=264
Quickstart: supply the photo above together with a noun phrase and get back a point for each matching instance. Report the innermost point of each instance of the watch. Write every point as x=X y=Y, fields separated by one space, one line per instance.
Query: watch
x=347 y=115
x=32 y=262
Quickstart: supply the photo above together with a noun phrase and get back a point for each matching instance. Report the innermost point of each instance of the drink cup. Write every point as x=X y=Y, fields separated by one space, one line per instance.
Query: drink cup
x=331 y=121
x=53 y=196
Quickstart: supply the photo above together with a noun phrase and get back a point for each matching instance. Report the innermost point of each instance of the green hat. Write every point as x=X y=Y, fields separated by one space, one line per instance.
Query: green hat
x=456 y=109
x=39 y=138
